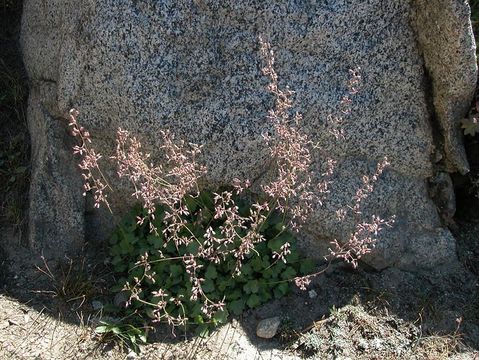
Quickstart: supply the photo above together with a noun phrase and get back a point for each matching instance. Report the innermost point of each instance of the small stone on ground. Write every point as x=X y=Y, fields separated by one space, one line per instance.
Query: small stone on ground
x=268 y=328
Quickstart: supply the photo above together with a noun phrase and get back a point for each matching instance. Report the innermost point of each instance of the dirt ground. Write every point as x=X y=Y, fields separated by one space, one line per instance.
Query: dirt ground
x=47 y=312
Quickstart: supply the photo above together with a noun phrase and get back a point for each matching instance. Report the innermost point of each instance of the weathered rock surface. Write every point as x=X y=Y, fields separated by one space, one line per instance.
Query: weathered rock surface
x=267 y=328
x=194 y=67
x=443 y=35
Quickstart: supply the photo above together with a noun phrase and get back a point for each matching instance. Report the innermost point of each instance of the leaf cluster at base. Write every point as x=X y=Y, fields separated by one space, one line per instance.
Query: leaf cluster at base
x=262 y=278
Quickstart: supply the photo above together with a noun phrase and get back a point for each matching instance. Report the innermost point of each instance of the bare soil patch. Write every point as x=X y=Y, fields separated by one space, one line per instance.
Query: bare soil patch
x=355 y=314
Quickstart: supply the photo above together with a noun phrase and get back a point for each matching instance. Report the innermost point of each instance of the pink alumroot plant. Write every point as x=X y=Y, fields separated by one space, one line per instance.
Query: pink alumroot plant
x=292 y=191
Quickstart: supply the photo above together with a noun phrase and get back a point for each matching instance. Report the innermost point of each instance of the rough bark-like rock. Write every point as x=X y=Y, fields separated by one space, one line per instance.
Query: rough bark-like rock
x=195 y=68
x=446 y=42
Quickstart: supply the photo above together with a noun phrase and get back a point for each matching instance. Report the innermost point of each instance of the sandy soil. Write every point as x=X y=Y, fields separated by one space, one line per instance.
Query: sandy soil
x=47 y=313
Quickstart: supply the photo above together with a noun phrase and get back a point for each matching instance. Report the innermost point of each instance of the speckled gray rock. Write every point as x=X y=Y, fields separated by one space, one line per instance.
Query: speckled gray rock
x=56 y=211
x=194 y=67
x=444 y=35
x=267 y=328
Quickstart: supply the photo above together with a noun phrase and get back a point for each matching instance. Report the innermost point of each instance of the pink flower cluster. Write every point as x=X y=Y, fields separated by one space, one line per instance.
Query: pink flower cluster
x=216 y=247
x=361 y=241
x=290 y=150
x=166 y=184
x=94 y=180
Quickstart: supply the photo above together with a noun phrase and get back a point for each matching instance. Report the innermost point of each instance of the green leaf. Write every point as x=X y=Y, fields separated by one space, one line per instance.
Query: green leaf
x=206 y=199
x=225 y=283
x=276 y=243
x=211 y=272
x=125 y=246
x=115 y=330
x=192 y=247
x=265 y=295
x=149 y=312
x=199 y=319
x=203 y=330
x=246 y=270
x=208 y=286
x=206 y=216
x=20 y=169
x=195 y=313
x=470 y=126
x=268 y=273
x=136 y=272
x=142 y=337
x=274 y=219
x=234 y=295
x=292 y=258
x=102 y=329
x=281 y=290
x=307 y=266
x=257 y=264
x=116 y=260
x=111 y=308
x=289 y=273
x=266 y=262
x=191 y=203
x=132 y=339
x=243 y=207
x=256 y=284
x=253 y=301
x=155 y=240
x=279 y=267
x=221 y=316
x=279 y=226
x=237 y=306
x=251 y=287
x=119 y=286
x=115 y=250
x=170 y=249
x=114 y=238
x=176 y=270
